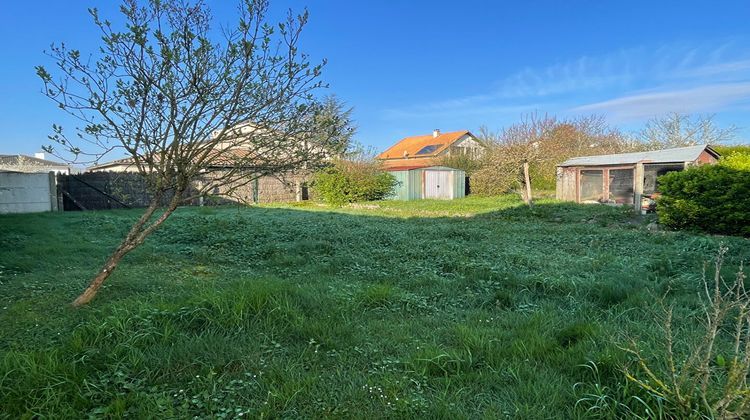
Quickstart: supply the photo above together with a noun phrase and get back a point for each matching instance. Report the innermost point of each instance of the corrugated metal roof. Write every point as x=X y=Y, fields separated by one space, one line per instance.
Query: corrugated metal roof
x=679 y=154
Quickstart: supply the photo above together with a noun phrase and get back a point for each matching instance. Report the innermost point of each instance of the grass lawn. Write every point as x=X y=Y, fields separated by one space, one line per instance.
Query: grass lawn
x=478 y=307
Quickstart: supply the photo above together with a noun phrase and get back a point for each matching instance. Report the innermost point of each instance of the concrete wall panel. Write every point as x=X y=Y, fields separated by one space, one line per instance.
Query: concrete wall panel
x=24 y=192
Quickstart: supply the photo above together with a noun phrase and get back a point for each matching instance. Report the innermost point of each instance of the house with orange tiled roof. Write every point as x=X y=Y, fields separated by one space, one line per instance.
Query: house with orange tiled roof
x=427 y=150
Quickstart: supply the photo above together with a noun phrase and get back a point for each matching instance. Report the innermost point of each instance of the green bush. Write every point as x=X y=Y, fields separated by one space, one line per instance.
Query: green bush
x=709 y=198
x=737 y=160
x=725 y=151
x=348 y=182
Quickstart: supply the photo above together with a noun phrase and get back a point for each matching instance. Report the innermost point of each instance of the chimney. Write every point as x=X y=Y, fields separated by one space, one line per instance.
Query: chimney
x=435 y=132
x=39 y=155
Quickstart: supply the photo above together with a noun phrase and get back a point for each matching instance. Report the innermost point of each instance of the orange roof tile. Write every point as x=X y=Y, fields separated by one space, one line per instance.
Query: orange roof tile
x=409 y=146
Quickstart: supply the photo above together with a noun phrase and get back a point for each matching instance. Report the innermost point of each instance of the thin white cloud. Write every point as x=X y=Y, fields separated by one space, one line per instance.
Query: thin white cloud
x=583 y=73
x=629 y=66
x=737 y=68
x=692 y=100
x=697 y=71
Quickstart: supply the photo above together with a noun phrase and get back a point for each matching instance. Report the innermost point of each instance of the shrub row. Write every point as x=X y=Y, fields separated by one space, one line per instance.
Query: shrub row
x=347 y=182
x=709 y=198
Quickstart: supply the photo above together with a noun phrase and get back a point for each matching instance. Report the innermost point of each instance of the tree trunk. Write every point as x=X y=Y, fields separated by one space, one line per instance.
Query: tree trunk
x=104 y=273
x=527 y=183
x=135 y=237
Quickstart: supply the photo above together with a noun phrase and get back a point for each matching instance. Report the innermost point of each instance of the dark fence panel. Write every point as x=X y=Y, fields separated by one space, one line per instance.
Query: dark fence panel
x=104 y=191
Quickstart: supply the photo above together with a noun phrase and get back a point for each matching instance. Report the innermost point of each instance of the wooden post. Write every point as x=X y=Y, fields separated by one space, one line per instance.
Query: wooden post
x=638 y=178
x=527 y=182
x=71 y=198
x=605 y=185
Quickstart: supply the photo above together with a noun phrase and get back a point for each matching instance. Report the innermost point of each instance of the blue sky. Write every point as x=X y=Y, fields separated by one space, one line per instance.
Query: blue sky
x=410 y=66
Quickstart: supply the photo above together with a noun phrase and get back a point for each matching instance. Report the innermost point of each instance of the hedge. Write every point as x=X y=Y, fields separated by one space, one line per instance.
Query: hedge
x=709 y=198
x=347 y=182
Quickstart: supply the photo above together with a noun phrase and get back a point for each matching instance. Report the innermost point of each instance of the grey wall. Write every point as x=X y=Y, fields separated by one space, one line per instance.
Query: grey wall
x=27 y=193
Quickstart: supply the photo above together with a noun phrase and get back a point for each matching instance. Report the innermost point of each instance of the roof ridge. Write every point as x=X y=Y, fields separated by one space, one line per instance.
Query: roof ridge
x=644 y=151
x=35 y=159
x=677 y=154
x=424 y=137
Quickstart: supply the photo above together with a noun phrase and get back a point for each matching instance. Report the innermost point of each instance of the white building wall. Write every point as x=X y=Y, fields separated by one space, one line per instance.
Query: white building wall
x=467 y=145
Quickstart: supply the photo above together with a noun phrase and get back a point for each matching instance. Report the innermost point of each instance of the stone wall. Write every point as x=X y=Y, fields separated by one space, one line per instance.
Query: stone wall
x=268 y=189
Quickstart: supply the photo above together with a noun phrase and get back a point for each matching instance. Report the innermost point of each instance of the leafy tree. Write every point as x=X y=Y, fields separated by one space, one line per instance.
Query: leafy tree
x=187 y=105
x=736 y=156
x=338 y=127
x=736 y=160
x=730 y=149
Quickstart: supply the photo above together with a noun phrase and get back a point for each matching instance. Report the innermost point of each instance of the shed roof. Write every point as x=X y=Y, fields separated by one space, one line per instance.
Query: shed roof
x=679 y=154
x=411 y=168
x=422 y=146
x=404 y=168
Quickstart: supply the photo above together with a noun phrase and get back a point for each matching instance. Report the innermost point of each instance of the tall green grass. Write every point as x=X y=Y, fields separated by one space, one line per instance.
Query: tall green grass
x=479 y=307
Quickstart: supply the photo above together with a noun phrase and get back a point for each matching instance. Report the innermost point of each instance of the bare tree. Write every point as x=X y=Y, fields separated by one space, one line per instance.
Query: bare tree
x=678 y=130
x=186 y=105
x=467 y=162
x=532 y=147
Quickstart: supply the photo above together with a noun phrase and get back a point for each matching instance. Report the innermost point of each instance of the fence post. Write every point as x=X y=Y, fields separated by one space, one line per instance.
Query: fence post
x=53 y=200
x=297 y=190
x=61 y=180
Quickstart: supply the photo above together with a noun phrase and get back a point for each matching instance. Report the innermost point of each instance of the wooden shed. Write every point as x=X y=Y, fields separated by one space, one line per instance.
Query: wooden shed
x=625 y=178
x=436 y=182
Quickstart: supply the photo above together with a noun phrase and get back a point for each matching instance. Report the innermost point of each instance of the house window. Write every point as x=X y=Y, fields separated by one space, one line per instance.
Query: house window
x=592 y=187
